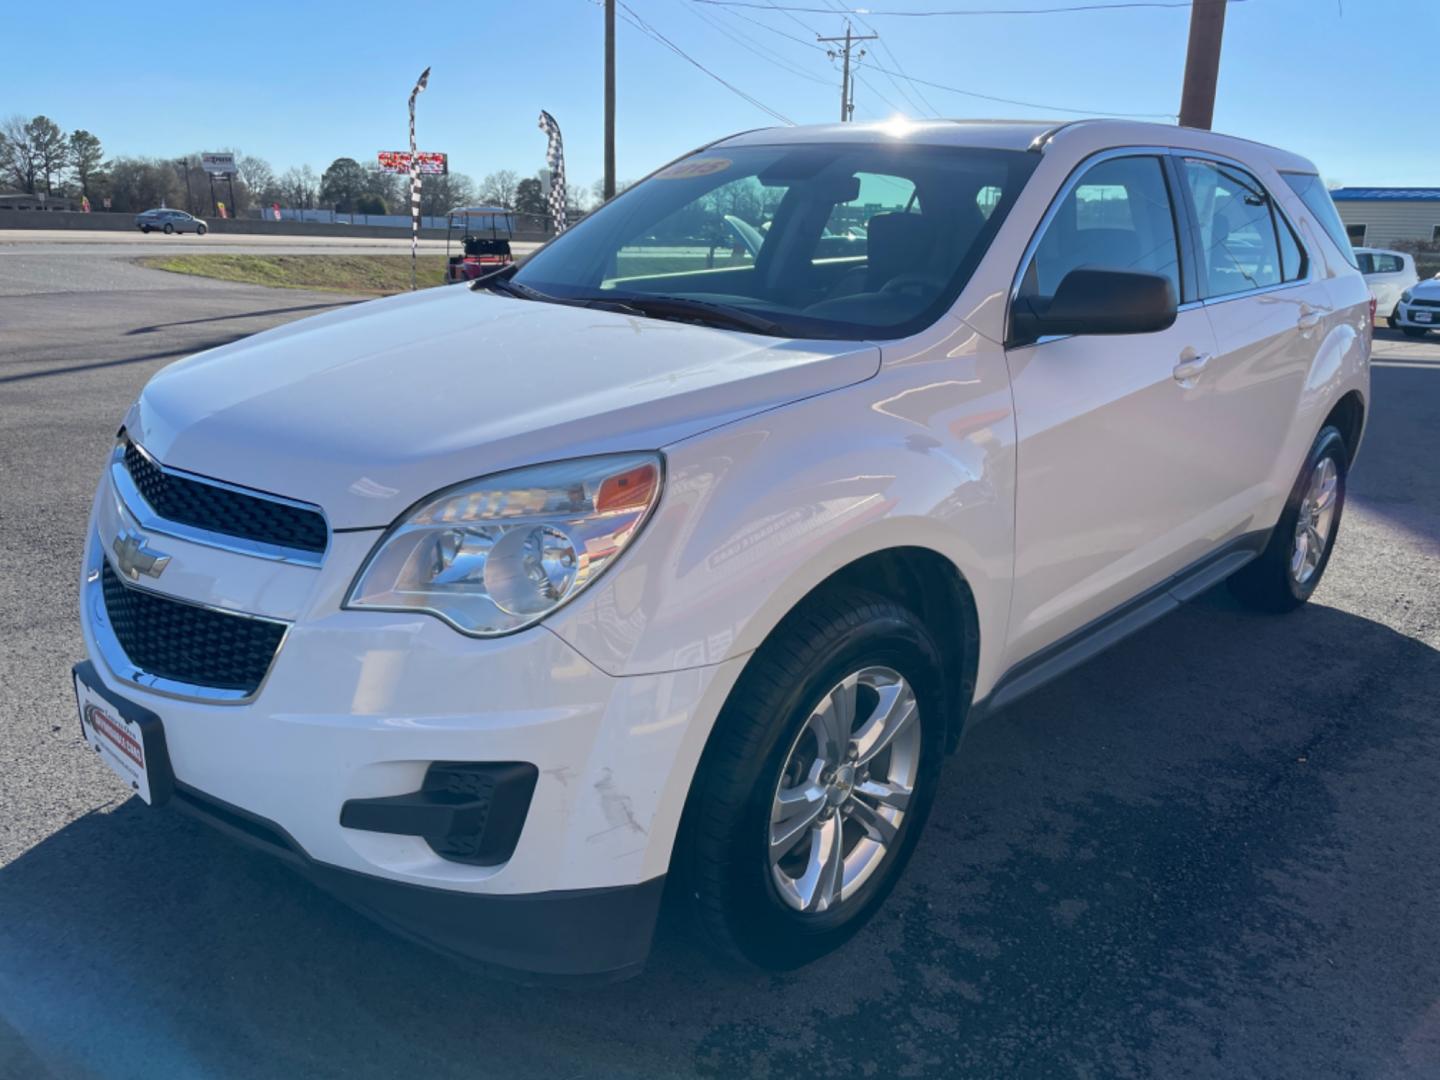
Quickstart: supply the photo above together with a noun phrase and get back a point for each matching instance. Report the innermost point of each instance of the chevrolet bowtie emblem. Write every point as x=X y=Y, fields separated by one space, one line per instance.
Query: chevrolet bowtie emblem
x=134 y=557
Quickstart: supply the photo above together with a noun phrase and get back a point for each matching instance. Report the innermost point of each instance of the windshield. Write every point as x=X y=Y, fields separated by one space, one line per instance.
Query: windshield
x=871 y=241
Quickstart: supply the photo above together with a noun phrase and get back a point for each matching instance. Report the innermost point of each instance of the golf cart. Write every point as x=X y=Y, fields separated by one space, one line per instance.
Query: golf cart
x=484 y=234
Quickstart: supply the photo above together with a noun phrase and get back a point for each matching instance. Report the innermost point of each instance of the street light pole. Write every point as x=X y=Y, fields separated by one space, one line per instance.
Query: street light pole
x=1202 y=63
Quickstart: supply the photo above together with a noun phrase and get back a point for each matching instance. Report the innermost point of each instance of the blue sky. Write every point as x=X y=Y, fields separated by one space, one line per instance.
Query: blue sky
x=300 y=84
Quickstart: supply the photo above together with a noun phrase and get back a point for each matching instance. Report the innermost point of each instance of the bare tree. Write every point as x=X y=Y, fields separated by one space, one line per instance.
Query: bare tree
x=500 y=188
x=299 y=186
x=257 y=176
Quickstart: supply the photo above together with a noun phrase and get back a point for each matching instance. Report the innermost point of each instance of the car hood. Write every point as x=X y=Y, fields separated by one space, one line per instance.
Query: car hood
x=365 y=410
x=1426 y=289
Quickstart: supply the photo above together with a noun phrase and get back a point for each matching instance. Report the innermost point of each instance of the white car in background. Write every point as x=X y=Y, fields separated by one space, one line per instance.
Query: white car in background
x=491 y=608
x=1389 y=274
x=1418 y=311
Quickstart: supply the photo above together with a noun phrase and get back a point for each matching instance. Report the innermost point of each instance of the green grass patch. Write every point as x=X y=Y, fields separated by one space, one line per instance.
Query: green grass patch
x=376 y=275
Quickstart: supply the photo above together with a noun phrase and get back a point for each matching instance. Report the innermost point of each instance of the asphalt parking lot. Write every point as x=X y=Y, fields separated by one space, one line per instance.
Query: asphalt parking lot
x=1210 y=853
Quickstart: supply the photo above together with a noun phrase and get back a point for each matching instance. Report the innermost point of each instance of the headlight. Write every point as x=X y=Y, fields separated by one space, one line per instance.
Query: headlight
x=1405 y=297
x=495 y=555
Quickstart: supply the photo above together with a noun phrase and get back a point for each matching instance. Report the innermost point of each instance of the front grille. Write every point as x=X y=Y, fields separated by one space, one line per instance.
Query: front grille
x=222 y=510
x=1425 y=303
x=189 y=644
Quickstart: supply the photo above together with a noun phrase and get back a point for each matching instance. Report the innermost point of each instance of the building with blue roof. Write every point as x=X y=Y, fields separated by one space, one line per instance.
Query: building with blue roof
x=1384 y=216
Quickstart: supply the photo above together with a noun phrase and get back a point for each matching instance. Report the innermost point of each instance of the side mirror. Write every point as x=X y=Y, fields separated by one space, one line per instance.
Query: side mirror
x=1098 y=302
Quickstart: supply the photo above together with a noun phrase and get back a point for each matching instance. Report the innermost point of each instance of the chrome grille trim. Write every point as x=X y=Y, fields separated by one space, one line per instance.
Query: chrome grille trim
x=145 y=515
x=107 y=644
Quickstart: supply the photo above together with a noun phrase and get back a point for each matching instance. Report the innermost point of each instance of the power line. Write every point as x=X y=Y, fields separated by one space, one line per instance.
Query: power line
x=1029 y=104
x=1124 y=5
x=635 y=20
x=755 y=48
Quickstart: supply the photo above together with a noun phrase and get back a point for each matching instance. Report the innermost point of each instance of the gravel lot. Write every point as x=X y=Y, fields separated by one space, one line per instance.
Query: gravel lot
x=1209 y=853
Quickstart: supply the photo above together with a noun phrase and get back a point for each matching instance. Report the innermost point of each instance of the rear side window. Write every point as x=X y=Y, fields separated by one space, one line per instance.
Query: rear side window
x=1118 y=217
x=1317 y=200
x=1243 y=241
x=1388 y=264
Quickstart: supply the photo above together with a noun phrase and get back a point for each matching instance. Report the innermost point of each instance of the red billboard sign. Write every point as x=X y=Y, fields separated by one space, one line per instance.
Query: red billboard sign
x=398 y=161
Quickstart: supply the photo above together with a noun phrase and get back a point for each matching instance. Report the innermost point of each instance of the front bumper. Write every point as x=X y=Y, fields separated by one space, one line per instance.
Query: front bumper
x=359 y=705
x=1413 y=317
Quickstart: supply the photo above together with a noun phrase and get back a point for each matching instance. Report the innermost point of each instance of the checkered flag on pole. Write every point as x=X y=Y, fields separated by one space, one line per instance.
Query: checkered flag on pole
x=415 y=177
x=555 y=161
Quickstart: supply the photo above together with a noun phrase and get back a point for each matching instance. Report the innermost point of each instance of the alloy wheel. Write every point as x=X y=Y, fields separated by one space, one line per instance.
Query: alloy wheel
x=844 y=790
x=1312 y=527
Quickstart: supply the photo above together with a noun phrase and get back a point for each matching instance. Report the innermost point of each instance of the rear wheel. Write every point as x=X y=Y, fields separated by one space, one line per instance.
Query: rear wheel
x=817 y=781
x=1287 y=572
x=145 y=228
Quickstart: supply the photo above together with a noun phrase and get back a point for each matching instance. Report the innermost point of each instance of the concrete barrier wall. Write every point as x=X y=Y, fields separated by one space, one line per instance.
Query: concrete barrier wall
x=50 y=219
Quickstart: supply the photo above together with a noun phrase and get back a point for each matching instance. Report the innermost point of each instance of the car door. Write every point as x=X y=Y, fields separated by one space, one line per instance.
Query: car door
x=1268 y=312
x=1108 y=493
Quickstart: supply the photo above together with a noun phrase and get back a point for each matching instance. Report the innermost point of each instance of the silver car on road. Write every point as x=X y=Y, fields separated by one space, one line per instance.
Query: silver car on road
x=169 y=221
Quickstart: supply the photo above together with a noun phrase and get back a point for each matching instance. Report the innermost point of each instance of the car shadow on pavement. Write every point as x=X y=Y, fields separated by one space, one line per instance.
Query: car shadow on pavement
x=1209 y=852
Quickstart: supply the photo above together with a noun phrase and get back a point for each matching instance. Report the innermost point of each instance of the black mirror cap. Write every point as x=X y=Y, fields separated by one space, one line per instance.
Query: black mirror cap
x=1092 y=301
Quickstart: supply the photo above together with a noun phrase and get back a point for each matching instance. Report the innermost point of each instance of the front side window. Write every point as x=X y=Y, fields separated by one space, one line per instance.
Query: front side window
x=843 y=241
x=1243 y=241
x=1118 y=217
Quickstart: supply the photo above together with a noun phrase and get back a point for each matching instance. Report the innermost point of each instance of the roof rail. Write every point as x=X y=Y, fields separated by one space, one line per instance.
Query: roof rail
x=1041 y=141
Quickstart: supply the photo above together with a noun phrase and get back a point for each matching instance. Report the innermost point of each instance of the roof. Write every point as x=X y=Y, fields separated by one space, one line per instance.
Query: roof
x=997 y=134
x=477 y=211
x=1386 y=194
x=1081 y=135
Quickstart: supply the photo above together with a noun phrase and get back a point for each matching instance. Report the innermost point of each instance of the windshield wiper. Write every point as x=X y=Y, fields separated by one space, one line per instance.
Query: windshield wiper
x=500 y=282
x=680 y=307
x=655 y=307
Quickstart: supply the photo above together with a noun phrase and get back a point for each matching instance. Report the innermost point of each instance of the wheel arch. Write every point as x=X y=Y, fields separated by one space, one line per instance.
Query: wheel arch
x=934 y=589
x=1348 y=416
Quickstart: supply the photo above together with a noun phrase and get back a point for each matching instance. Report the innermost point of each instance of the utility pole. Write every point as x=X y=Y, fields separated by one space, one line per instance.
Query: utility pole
x=1202 y=63
x=184 y=164
x=847 y=85
x=609 y=99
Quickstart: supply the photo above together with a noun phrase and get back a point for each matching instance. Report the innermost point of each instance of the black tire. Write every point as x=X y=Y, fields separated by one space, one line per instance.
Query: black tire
x=723 y=855
x=145 y=229
x=1413 y=331
x=1267 y=583
x=200 y=230
x=169 y=228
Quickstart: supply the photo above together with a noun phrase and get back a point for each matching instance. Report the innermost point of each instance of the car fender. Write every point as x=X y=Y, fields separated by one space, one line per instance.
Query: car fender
x=759 y=512
x=1340 y=364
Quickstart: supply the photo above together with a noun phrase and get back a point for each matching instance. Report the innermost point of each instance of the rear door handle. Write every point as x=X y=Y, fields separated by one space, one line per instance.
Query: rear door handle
x=1309 y=317
x=1190 y=368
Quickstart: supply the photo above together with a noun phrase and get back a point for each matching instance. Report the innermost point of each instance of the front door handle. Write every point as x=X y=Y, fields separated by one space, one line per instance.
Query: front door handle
x=1189 y=368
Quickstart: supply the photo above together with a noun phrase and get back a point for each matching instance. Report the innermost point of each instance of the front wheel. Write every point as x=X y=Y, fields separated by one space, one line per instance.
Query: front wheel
x=1413 y=331
x=1287 y=572
x=817 y=781
x=169 y=228
x=200 y=230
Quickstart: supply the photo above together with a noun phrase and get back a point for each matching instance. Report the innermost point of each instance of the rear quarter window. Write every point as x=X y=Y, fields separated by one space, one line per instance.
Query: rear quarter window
x=1317 y=200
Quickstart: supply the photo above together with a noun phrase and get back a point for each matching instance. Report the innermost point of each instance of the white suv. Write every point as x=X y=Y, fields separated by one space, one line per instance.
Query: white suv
x=664 y=555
